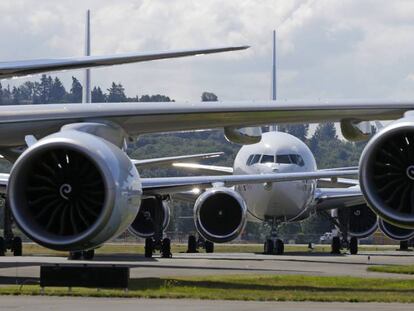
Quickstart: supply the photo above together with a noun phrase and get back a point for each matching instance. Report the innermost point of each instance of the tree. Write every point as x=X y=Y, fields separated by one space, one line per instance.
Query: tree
x=116 y=93
x=97 y=95
x=58 y=91
x=75 y=95
x=44 y=89
x=209 y=97
x=298 y=130
x=154 y=98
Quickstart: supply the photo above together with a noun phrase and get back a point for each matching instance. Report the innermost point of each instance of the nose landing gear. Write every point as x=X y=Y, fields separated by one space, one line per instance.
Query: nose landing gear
x=9 y=241
x=274 y=245
x=194 y=244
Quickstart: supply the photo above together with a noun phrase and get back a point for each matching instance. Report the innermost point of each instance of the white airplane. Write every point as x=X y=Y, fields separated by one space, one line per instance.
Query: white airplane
x=72 y=187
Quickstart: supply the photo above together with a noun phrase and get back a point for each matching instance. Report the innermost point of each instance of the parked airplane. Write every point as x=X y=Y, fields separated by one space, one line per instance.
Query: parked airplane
x=72 y=187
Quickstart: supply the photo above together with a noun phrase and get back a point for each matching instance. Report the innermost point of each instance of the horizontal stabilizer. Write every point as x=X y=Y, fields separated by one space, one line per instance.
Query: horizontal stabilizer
x=28 y=67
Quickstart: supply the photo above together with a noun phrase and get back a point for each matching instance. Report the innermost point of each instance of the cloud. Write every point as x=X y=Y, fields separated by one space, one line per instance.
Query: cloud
x=347 y=49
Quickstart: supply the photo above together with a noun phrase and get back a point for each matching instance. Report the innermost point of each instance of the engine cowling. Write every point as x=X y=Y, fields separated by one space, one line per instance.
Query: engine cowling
x=220 y=214
x=143 y=224
x=387 y=173
x=362 y=221
x=394 y=232
x=73 y=191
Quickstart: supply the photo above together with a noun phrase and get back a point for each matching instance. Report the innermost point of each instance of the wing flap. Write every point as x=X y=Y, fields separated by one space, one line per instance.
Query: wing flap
x=171 y=160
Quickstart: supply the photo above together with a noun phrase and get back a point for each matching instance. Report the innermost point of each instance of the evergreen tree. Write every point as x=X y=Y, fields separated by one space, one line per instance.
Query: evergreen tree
x=116 y=93
x=1 y=94
x=154 y=98
x=58 y=91
x=298 y=130
x=75 y=95
x=209 y=97
x=45 y=89
x=97 y=95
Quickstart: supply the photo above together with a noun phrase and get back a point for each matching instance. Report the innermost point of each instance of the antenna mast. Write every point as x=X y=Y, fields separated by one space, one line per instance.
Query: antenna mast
x=86 y=96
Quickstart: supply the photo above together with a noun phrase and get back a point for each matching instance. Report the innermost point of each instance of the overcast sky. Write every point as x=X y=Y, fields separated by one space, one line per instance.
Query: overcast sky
x=326 y=48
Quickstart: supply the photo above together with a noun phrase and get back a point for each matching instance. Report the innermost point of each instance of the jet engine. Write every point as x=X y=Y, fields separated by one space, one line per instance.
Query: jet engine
x=73 y=191
x=362 y=221
x=394 y=232
x=220 y=214
x=144 y=224
x=387 y=173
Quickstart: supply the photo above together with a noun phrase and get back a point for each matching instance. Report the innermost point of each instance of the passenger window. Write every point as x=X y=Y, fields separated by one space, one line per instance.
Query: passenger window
x=255 y=159
x=267 y=159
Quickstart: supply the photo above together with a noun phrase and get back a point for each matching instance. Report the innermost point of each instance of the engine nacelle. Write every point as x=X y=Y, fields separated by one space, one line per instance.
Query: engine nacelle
x=355 y=131
x=362 y=221
x=220 y=214
x=243 y=135
x=394 y=232
x=150 y=209
x=73 y=191
x=387 y=173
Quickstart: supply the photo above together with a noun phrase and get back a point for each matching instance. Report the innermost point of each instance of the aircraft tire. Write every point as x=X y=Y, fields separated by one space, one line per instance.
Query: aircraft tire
x=209 y=247
x=192 y=244
x=280 y=247
x=88 y=255
x=75 y=255
x=17 y=246
x=336 y=245
x=268 y=247
x=2 y=247
x=166 y=248
x=149 y=247
x=353 y=245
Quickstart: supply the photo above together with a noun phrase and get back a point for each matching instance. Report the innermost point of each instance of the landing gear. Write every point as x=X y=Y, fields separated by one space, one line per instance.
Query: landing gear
x=336 y=245
x=194 y=244
x=166 y=248
x=9 y=241
x=353 y=245
x=403 y=246
x=78 y=255
x=149 y=247
x=273 y=244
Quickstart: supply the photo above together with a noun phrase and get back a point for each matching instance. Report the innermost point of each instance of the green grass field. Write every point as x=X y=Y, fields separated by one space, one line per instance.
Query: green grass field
x=119 y=248
x=251 y=287
x=402 y=269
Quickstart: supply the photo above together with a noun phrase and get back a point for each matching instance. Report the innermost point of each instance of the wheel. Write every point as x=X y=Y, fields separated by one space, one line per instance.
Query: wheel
x=166 y=248
x=149 y=247
x=280 y=247
x=209 y=246
x=336 y=245
x=268 y=247
x=353 y=246
x=192 y=244
x=17 y=246
x=88 y=255
x=2 y=247
x=75 y=255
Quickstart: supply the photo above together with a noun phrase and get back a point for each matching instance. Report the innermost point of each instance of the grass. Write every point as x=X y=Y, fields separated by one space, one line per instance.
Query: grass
x=402 y=269
x=132 y=248
x=251 y=287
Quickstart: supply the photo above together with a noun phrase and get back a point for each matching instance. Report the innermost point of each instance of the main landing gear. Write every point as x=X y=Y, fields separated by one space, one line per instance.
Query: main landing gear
x=79 y=255
x=194 y=244
x=273 y=244
x=9 y=241
x=342 y=240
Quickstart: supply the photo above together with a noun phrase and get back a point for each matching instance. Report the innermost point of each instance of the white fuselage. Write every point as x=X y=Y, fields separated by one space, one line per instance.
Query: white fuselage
x=277 y=152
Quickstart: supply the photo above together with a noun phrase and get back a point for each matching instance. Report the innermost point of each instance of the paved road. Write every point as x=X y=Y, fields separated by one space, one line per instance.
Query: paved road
x=37 y=303
x=18 y=269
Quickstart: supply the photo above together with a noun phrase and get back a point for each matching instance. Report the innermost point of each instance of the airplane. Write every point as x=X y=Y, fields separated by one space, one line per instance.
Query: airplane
x=291 y=201
x=72 y=187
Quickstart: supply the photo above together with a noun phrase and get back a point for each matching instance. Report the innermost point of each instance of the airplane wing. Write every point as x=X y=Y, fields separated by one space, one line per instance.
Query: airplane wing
x=171 y=160
x=331 y=198
x=28 y=67
x=171 y=185
x=206 y=169
x=139 y=118
x=337 y=182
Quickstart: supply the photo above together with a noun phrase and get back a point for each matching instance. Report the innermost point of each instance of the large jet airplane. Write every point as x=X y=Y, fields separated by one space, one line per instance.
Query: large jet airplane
x=72 y=187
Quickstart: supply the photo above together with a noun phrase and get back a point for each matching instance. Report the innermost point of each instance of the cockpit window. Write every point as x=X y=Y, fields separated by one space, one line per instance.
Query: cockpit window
x=283 y=159
x=249 y=159
x=255 y=159
x=267 y=159
x=290 y=159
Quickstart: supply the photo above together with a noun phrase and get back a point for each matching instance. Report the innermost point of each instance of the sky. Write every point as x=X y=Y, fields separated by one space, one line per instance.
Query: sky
x=325 y=48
